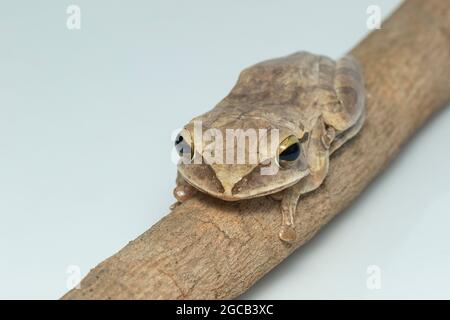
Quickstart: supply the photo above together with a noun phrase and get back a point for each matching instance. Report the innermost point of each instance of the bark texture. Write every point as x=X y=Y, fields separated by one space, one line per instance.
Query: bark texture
x=210 y=249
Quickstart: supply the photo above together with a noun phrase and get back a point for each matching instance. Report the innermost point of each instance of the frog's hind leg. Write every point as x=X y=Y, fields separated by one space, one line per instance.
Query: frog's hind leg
x=345 y=106
x=343 y=137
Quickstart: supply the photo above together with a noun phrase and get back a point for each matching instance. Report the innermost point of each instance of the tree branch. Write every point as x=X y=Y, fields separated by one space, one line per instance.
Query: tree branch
x=210 y=249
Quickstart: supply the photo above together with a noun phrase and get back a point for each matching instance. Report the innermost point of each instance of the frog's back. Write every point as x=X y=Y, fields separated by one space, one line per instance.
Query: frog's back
x=281 y=81
x=279 y=87
x=293 y=88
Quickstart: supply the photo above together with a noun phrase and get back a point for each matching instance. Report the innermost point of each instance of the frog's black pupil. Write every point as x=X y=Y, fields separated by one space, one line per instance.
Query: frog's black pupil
x=291 y=153
x=181 y=146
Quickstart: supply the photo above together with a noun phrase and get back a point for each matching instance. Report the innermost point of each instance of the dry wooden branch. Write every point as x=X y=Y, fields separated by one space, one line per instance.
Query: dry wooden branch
x=207 y=248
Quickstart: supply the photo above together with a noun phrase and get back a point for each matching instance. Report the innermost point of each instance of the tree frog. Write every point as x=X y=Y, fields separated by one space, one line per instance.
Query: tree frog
x=314 y=103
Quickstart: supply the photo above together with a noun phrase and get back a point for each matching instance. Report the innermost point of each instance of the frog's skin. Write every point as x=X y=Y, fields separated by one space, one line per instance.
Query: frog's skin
x=318 y=100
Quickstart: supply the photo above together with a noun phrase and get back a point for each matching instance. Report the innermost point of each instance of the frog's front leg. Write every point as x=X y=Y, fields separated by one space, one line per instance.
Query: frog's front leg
x=318 y=159
x=183 y=191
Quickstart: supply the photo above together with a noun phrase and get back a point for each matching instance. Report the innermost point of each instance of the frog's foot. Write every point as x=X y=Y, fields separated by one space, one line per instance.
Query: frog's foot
x=287 y=233
x=184 y=192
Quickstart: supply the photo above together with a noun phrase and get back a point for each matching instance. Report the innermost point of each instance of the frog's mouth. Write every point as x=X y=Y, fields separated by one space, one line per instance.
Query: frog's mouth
x=203 y=178
x=240 y=196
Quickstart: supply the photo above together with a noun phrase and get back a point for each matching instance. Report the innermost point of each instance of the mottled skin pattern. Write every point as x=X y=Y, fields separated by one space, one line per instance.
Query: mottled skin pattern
x=318 y=100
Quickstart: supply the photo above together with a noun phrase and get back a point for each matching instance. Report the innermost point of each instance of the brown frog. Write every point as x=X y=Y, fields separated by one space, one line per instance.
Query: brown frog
x=314 y=104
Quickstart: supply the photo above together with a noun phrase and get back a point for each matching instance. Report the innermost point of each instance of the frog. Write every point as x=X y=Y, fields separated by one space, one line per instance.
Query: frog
x=315 y=104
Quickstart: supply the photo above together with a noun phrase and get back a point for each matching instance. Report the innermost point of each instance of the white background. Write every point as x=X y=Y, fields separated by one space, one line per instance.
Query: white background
x=86 y=118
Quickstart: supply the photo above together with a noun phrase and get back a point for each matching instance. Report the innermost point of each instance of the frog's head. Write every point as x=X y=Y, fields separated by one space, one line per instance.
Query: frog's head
x=280 y=160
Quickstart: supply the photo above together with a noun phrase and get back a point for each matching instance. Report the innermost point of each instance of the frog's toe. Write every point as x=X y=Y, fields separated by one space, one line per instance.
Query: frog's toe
x=287 y=234
x=174 y=205
x=184 y=192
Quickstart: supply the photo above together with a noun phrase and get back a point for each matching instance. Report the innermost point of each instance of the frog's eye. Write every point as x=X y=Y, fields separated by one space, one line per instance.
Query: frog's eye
x=288 y=151
x=184 y=146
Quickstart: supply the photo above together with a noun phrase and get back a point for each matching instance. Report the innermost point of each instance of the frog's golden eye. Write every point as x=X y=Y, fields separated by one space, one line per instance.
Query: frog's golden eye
x=184 y=146
x=288 y=151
